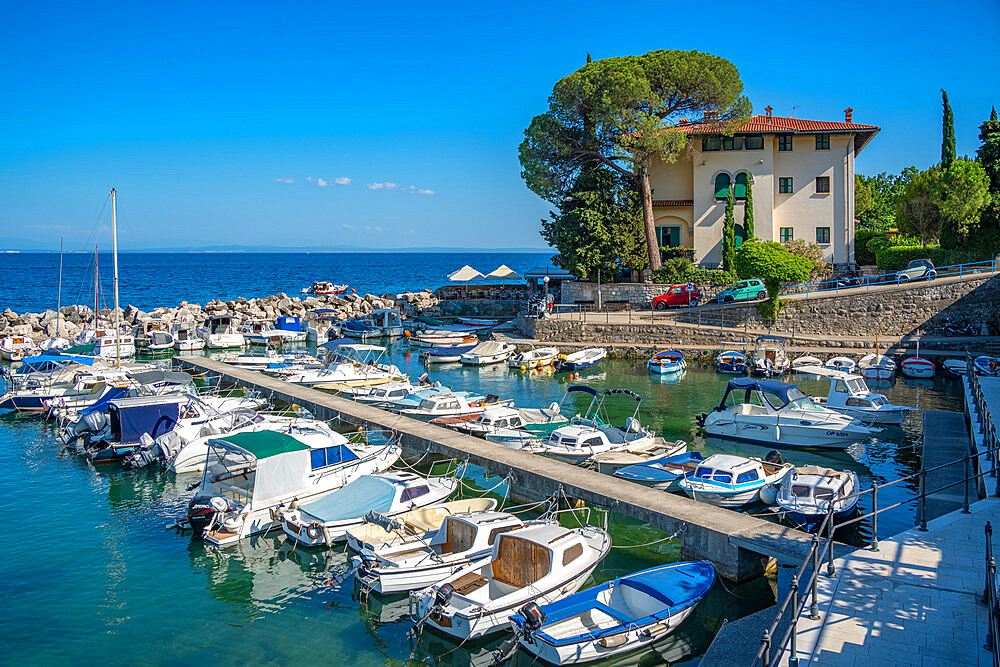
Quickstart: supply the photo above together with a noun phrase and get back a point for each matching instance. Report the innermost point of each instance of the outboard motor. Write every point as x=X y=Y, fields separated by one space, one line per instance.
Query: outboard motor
x=774 y=456
x=533 y=617
x=89 y=424
x=202 y=510
x=444 y=595
x=146 y=453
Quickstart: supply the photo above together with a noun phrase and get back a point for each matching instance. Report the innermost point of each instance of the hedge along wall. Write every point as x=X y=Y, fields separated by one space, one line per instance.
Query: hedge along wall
x=897 y=257
x=862 y=255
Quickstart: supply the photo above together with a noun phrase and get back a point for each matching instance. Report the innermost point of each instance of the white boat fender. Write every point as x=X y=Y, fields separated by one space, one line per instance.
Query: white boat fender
x=555 y=408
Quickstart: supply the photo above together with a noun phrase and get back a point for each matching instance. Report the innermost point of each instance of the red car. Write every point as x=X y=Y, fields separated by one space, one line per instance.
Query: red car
x=678 y=295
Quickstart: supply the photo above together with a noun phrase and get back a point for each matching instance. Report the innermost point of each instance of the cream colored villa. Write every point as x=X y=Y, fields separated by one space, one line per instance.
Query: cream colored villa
x=802 y=178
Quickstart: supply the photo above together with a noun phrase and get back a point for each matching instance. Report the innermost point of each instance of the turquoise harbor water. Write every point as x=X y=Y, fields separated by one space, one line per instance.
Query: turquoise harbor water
x=92 y=575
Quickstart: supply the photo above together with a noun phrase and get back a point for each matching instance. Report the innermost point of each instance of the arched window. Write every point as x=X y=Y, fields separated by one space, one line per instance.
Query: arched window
x=721 y=185
x=740 y=188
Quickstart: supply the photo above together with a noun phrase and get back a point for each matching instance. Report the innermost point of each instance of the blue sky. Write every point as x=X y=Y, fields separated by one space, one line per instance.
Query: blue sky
x=194 y=111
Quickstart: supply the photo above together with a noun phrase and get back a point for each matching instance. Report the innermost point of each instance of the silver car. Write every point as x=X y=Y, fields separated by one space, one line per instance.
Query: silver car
x=917 y=269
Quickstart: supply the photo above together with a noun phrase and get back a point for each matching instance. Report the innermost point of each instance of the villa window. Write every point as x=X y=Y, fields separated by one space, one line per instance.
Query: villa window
x=822 y=142
x=786 y=234
x=711 y=143
x=822 y=185
x=822 y=235
x=732 y=143
x=669 y=237
x=784 y=143
x=754 y=142
x=722 y=186
x=785 y=185
x=740 y=187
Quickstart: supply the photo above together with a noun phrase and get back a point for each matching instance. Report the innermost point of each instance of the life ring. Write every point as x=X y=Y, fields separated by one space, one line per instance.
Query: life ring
x=314 y=531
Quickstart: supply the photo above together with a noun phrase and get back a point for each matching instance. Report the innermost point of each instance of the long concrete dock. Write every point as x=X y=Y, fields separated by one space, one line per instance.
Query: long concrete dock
x=740 y=546
x=946 y=440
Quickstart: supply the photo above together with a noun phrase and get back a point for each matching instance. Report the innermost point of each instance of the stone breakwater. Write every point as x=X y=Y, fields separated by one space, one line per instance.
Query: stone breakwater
x=347 y=306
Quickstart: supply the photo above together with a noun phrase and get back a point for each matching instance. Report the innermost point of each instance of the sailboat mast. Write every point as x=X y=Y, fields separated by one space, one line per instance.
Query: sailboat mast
x=95 y=289
x=114 y=255
x=59 y=292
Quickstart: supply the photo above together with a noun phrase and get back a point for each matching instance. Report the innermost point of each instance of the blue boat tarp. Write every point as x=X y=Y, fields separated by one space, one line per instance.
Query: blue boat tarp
x=101 y=404
x=660 y=471
x=451 y=350
x=782 y=390
x=354 y=500
x=288 y=323
x=128 y=423
x=676 y=586
x=48 y=361
x=584 y=389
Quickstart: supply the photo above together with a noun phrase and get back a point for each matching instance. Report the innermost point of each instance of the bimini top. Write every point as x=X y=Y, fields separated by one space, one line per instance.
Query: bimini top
x=782 y=390
x=263 y=444
x=778 y=339
x=584 y=389
x=49 y=361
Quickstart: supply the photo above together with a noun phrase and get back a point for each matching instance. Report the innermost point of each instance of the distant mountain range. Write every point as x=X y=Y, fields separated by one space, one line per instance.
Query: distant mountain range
x=33 y=245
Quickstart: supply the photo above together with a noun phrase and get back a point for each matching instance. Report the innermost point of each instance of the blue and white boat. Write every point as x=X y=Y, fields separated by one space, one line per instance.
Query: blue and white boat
x=582 y=360
x=664 y=474
x=666 y=361
x=806 y=494
x=727 y=480
x=731 y=361
x=616 y=617
x=447 y=354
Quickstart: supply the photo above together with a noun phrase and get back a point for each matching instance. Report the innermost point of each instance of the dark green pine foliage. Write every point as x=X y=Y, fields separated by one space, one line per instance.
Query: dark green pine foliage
x=729 y=235
x=947 y=132
x=748 y=231
x=989 y=153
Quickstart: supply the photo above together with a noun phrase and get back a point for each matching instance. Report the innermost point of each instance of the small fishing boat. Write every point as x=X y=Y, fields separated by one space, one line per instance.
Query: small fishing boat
x=319 y=323
x=877 y=367
x=453 y=405
x=490 y=352
x=608 y=462
x=666 y=361
x=447 y=354
x=850 y=394
x=845 y=364
x=16 y=348
x=327 y=520
x=616 y=617
x=186 y=338
x=538 y=563
x=585 y=437
x=380 y=323
x=777 y=413
x=806 y=494
x=478 y=322
x=582 y=360
x=249 y=476
x=916 y=366
x=731 y=362
x=536 y=357
x=219 y=332
x=503 y=419
x=381 y=534
x=955 y=367
x=324 y=287
x=461 y=540
x=769 y=358
x=987 y=365
x=806 y=361
x=664 y=474
x=727 y=480
x=443 y=338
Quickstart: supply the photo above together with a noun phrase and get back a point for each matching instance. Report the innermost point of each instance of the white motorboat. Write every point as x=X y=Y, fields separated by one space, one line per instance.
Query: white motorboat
x=443 y=338
x=845 y=364
x=415 y=563
x=772 y=412
x=582 y=360
x=327 y=520
x=115 y=346
x=54 y=344
x=536 y=357
x=15 y=348
x=916 y=366
x=877 y=367
x=220 y=332
x=585 y=437
x=395 y=396
x=849 y=394
x=413 y=529
x=538 y=563
x=808 y=492
x=505 y=420
x=490 y=352
x=186 y=338
x=319 y=324
x=249 y=476
x=349 y=363
x=806 y=361
x=726 y=480
x=769 y=358
x=614 y=618
x=609 y=462
x=452 y=405
x=270 y=360
x=258 y=331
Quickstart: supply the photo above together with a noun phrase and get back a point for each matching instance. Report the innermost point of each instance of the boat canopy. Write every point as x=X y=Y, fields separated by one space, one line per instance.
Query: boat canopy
x=158 y=376
x=49 y=361
x=782 y=390
x=627 y=392
x=451 y=350
x=101 y=404
x=584 y=389
x=132 y=417
x=264 y=444
x=288 y=323
x=354 y=500
x=778 y=339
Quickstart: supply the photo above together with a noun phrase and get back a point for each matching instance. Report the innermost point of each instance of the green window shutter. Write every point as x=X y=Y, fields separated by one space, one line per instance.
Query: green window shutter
x=740 y=189
x=722 y=186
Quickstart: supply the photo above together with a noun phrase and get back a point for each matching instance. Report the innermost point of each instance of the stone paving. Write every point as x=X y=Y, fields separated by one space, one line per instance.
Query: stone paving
x=915 y=601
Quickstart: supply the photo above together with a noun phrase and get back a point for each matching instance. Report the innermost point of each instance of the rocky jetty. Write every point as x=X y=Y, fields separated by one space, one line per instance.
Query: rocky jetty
x=345 y=307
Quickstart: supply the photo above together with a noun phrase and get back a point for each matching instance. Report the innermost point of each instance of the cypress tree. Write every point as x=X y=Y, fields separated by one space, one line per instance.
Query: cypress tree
x=729 y=235
x=988 y=153
x=748 y=231
x=947 y=133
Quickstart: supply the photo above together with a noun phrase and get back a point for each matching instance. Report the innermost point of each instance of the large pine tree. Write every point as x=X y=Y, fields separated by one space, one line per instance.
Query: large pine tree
x=947 y=132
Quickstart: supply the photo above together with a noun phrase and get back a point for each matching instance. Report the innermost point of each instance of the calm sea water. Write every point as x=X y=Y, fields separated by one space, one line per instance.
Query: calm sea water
x=29 y=281
x=91 y=575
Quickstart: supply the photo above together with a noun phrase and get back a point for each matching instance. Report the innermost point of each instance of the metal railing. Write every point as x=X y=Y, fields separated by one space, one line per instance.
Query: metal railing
x=892 y=278
x=794 y=603
x=990 y=599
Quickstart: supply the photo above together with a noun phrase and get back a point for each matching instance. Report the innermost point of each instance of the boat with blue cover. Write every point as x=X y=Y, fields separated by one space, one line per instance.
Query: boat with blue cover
x=664 y=474
x=807 y=494
x=666 y=361
x=732 y=361
x=582 y=360
x=617 y=617
x=446 y=354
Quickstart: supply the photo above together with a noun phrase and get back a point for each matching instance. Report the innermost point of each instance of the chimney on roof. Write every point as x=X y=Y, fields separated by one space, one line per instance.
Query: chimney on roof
x=767 y=110
x=683 y=121
x=848 y=114
x=711 y=115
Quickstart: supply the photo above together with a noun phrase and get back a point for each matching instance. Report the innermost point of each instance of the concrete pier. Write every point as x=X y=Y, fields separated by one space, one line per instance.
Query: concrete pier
x=945 y=441
x=741 y=546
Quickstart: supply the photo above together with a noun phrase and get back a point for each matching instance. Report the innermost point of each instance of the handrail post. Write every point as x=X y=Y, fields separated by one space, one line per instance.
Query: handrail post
x=991 y=573
x=965 y=499
x=874 y=542
x=814 y=605
x=793 y=659
x=989 y=554
x=831 y=570
x=922 y=499
x=766 y=643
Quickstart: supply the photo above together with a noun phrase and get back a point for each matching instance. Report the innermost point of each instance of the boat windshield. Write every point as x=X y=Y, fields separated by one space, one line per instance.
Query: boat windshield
x=857 y=386
x=796 y=400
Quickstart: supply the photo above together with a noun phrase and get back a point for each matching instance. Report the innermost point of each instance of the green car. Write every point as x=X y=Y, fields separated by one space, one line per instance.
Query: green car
x=744 y=290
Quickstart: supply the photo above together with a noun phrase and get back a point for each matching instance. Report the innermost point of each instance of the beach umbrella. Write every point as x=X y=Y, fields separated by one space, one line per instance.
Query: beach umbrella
x=465 y=274
x=503 y=272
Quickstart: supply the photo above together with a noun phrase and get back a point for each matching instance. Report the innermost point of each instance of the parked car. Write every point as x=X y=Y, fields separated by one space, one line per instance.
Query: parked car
x=678 y=295
x=744 y=290
x=917 y=269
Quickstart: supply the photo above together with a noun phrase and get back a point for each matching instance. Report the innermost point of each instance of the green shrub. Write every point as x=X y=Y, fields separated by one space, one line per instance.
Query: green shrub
x=862 y=255
x=897 y=257
x=680 y=270
x=713 y=277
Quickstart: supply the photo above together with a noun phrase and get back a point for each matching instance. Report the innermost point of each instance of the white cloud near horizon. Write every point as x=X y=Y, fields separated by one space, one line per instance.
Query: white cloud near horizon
x=376 y=228
x=387 y=185
x=342 y=180
x=321 y=183
x=347 y=226
x=284 y=180
x=413 y=190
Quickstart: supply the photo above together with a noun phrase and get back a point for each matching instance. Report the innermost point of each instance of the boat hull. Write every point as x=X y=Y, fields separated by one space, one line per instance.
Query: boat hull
x=917 y=367
x=785 y=435
x=387 y=580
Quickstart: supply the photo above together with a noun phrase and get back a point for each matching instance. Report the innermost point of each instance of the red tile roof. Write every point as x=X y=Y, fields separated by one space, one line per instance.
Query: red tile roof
x=672 y=202
x=758 y=124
